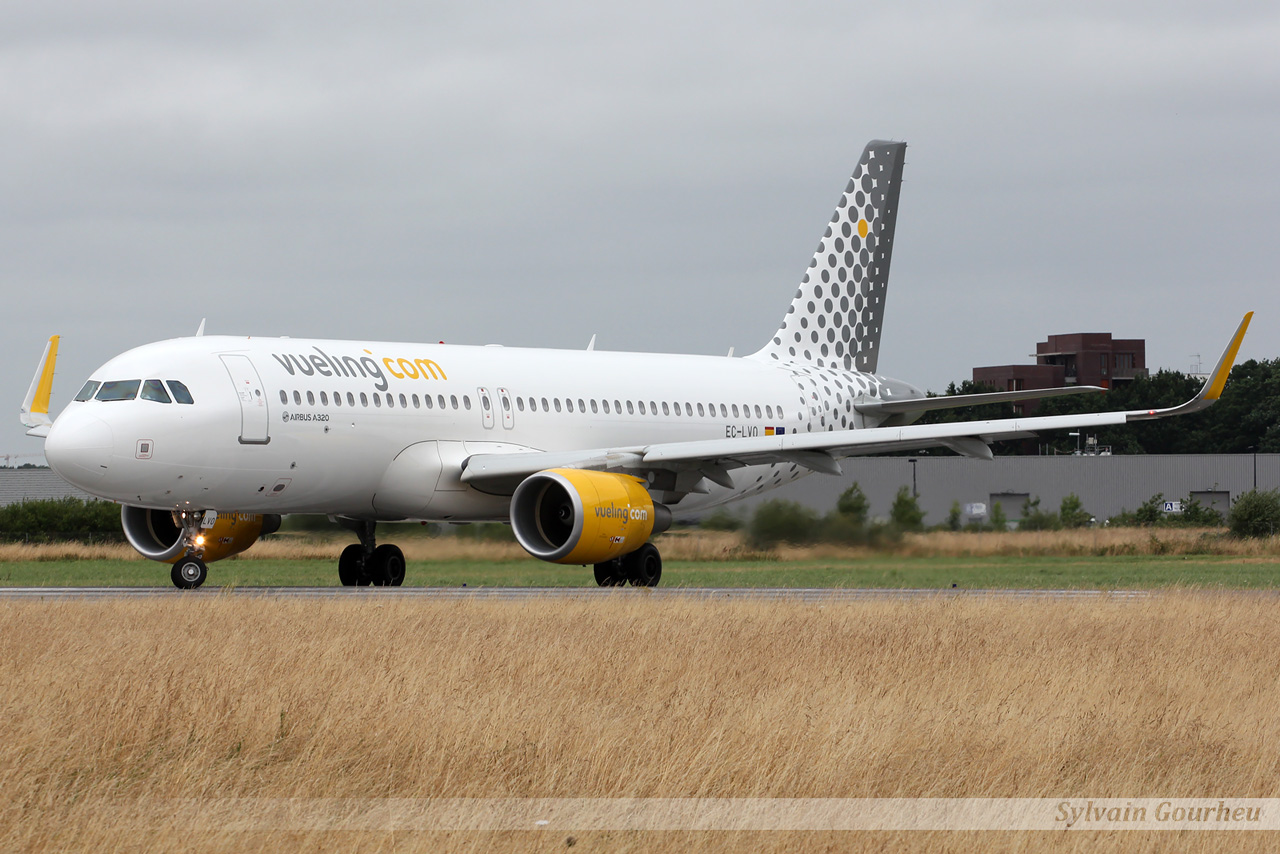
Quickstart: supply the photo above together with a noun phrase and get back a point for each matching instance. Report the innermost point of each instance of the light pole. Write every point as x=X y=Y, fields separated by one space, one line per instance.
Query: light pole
x=914 y=494
x=1254 y=450
x=1077 y=435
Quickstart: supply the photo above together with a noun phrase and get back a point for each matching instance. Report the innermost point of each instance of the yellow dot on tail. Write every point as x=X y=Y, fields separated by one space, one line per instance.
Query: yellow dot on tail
x=862 y=228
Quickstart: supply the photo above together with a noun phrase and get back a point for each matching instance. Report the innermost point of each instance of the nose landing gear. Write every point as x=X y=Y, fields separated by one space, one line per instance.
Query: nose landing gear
x=366 y=563
x=189 y=573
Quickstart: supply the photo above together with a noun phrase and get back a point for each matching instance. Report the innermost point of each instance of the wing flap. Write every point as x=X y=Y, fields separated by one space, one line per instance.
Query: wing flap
x=954 y=401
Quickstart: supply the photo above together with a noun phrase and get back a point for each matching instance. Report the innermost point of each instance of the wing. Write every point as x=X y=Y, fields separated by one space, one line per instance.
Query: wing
x=682 y=467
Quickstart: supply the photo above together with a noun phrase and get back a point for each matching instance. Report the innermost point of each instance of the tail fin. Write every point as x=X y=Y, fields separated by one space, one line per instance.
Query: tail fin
x=834 y=320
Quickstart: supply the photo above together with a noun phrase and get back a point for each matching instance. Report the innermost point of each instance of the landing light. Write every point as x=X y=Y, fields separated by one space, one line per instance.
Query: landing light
x=200 y=540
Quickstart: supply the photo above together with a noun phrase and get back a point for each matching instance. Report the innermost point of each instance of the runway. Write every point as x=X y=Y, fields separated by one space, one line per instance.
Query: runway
x=819 y=595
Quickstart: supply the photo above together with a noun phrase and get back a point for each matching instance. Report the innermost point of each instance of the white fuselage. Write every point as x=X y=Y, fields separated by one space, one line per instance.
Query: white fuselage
x=281 y=425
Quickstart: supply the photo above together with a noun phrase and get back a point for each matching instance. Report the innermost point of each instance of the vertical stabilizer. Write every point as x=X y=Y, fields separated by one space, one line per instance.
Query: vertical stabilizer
x=834 y=320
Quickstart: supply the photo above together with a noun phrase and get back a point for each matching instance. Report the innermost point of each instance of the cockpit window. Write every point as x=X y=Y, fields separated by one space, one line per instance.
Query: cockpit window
x=180 y=393
x=86 y=393
x=154 y=390
x=119 y=390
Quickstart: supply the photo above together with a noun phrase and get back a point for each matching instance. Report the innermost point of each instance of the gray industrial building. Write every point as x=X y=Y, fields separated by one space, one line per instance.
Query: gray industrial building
x=1105 y=484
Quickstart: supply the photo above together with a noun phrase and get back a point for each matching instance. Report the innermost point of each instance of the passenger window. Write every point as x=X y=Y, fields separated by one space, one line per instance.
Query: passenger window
x=688 y=409
x=724 y=412
x=440 y=400
x=391 y=401
x=666 y=410
x=311 y=399
x=284 y=396
x=118 y=390
x=297 y=398
x=642 y=412
x=377 y=400
x=556 y=401
x=545 y=406
x=605 y=404
x=351 y=399
x=364 y=400
x=594 y=408
x=631 y=408
x=154 y=390
x=324 y=398
x=337 y=398
x=404 y=403
x=735 y=410
x=758 y=415
x=506 y=403
x=582 y=405
x=617 y=406
x=701 y=413
x=426 y=401
x=484 y=402
x=416 y=403
x=453 y=398
x=86 y=393
x=768 y=411
x=466 y=402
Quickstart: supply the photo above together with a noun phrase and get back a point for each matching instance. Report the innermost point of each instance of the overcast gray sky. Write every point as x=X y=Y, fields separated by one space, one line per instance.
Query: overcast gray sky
x=657 y=173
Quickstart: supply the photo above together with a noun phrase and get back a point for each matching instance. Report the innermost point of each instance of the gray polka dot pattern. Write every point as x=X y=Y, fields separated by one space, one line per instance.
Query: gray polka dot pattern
x=834 y=320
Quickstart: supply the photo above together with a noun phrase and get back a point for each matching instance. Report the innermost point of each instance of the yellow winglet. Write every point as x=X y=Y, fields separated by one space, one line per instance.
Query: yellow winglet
x=35 y=408
x=1220 y=373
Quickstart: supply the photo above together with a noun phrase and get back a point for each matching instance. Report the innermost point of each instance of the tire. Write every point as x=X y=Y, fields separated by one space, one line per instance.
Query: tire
x=644 y=566
x=610 y=573
x=350 y=565
x=386 y=567
x=189 y=573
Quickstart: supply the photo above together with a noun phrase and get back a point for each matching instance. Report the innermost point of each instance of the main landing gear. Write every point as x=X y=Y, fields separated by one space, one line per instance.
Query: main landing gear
x=642 y=568
x=367 y=563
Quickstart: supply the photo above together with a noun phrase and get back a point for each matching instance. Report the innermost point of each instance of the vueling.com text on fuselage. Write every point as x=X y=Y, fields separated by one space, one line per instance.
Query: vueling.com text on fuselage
x=310 y=364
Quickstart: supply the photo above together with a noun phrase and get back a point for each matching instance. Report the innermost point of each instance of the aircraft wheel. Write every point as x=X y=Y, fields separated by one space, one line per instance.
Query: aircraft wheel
x=386 y=568
x=189 y=573
x=350 y=565
x=644 y=566
x=610 y=573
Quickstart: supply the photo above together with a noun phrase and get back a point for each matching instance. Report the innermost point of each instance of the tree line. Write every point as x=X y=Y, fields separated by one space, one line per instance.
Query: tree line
x=1245 y=419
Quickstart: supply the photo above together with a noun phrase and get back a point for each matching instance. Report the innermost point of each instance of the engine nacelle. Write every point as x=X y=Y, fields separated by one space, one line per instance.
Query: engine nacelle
x=578 y=516
x=156 y=535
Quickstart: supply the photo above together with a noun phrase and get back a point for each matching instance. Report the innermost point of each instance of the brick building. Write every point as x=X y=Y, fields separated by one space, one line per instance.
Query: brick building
x=1080 y=358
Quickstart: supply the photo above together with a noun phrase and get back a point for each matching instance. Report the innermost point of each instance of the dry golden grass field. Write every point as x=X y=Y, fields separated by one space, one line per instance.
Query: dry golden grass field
x=112 y=709
x=697 y=545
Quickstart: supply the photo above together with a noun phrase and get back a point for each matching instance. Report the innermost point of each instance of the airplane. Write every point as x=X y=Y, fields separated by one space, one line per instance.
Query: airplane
x=207 y=441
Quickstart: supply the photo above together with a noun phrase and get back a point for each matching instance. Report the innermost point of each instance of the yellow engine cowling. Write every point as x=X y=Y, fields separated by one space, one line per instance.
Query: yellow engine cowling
x=156 y=535
x=231 y=534
x=585 y=517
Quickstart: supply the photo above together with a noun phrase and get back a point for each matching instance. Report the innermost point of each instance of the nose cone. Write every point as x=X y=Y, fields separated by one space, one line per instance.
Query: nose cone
x=78 y=448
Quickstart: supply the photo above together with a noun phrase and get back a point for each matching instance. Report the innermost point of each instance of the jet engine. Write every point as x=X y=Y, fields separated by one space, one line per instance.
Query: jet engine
x=158 y=535
x=584 y=517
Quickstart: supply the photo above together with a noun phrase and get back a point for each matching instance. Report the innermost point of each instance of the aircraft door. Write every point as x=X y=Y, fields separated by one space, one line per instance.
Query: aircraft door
x=486 y=407
x=253 y=399
x=508 y=414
